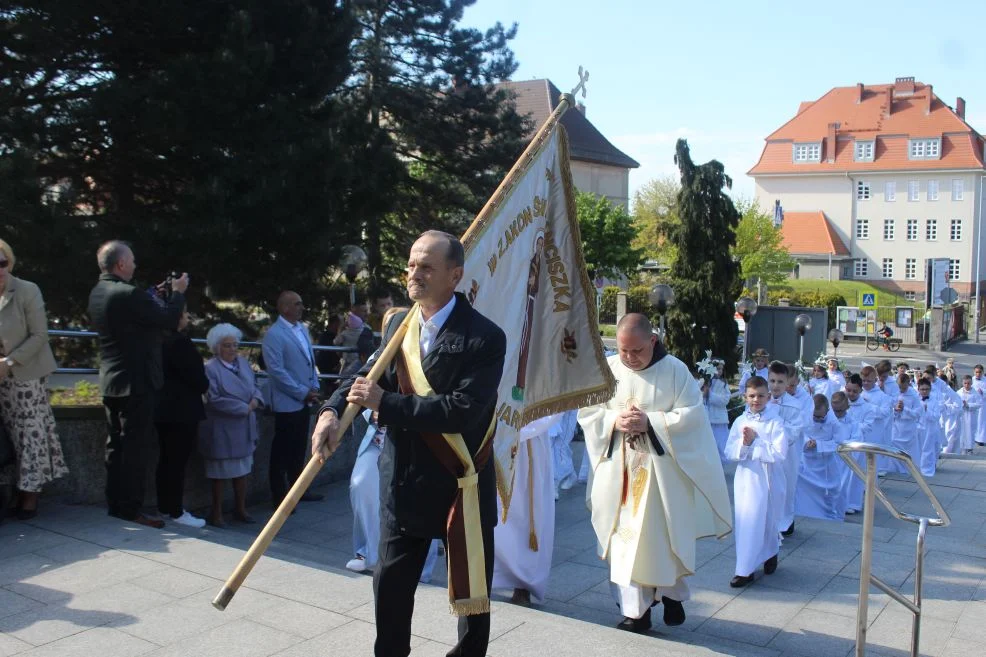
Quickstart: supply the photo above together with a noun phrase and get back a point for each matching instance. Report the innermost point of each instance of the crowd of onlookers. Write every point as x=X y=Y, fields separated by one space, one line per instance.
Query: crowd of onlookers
x=154 y=381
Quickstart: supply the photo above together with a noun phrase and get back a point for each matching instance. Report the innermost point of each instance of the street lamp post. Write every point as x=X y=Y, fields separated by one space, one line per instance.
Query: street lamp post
x=835 y=337
x=661 y=296
x=746 y=307
x=802 y=324
x=352 y=262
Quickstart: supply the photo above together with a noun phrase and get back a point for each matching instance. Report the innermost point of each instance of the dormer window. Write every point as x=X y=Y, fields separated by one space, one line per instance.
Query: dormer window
x=864 y=151
x=924 y=149
x=808 y=152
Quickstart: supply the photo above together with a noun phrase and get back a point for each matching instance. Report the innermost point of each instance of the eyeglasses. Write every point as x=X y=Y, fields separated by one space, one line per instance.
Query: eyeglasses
x=4 y=263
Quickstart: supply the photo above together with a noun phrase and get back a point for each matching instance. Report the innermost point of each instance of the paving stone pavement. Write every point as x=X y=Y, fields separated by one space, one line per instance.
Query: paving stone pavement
x=76 y=582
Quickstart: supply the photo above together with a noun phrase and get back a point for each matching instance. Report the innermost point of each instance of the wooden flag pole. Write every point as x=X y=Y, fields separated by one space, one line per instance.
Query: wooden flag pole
x=266 y=536
x=290 y=501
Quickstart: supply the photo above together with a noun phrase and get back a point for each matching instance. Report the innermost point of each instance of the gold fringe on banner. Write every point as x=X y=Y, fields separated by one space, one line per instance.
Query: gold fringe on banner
x=532 y=540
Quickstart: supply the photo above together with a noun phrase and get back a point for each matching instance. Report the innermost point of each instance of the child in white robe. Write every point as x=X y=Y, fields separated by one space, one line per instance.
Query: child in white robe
x=835 y=376
x=971 y=405
x=929 y=428
x=758 y=443
x=716 y=399
x=883 y=412
x=864 y=417
x=794 y=418
x=907 y=412
x=820 y=480
x=820 y=383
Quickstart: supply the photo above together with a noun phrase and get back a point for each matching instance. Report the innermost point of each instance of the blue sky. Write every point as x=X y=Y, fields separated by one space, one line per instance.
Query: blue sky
x=726 y=74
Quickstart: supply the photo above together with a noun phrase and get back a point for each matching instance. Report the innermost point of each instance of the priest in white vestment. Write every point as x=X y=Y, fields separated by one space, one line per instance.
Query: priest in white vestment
x=657 y=482
x=523 y=542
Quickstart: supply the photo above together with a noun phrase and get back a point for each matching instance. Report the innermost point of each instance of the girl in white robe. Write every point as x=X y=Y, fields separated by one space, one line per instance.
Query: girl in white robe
x=758 y=442
x=716 y=398
x=820 y=383
x=820 y=481
x=907 y=412
x=971 y=404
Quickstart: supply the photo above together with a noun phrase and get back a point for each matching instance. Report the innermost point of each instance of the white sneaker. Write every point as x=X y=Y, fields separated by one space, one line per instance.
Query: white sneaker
x=188 y=520
x=357 y=565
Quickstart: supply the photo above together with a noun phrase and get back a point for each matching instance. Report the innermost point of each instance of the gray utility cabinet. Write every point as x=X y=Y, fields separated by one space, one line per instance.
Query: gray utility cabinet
x=772 y=328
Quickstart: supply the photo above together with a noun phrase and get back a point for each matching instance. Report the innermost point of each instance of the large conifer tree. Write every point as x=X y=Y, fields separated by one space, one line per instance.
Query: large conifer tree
x=704 y=276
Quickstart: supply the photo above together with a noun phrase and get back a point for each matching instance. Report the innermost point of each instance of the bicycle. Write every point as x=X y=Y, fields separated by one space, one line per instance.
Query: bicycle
x=874 y=342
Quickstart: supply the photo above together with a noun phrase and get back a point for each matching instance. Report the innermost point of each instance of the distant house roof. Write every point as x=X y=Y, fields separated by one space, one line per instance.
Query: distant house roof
x=889 y=115
x=538 y=99
x=810 y=233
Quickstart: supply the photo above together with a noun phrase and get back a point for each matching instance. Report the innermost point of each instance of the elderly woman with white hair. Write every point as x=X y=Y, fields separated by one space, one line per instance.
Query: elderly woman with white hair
x=228 y=436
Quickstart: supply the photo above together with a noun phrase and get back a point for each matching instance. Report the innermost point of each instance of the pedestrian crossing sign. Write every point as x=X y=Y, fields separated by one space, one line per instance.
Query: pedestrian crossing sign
x=869 y=300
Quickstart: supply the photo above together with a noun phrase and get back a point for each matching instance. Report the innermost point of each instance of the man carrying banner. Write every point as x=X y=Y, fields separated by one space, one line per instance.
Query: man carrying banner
x=437 y=400
x=658 y=483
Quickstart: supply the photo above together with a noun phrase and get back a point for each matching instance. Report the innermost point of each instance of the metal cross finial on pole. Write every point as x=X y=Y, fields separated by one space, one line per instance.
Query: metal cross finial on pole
x=583 y=78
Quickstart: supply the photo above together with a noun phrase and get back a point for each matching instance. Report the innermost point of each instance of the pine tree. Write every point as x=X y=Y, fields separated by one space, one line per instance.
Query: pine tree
x=437 y=135
x=704 y=276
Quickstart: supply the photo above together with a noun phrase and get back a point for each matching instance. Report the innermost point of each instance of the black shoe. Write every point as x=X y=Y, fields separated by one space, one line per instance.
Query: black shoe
x=739 y=582
x=674 y=611
x=312 y=497
x=148 y=521
x=27 y=514
x=770 y=565
x=521 y=597
x=789 y=530
x=637 y=625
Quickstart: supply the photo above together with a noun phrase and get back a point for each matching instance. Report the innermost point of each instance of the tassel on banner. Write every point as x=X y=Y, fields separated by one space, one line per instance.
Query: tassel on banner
x=532 y=539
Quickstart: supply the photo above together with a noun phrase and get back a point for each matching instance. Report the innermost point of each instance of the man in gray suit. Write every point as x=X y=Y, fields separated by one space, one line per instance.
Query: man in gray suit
x=290 y=364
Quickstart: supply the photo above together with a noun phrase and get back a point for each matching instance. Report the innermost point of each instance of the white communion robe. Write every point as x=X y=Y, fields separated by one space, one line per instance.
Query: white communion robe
x=883 y=422
x=763 y=373
x=952 y=417
x=716 y=405
x=822 y=386
x=522 y=548
x=758 y=486
x=929 y=434
x=795 y=414
x=972 y=403
x=648 y=509
x=821 y=478
x=837 y=378
x=905 y=434
x=561 y=433
x=864 y=416
x=979 y=385
x=364 y=496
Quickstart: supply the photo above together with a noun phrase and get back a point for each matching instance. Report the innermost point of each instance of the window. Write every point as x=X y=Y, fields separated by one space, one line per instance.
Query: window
x=808 y=152
x=888 y=229
x=932 y=190
x=910 y=296
x=924 y=149
x=910 y=269
x=957 y=189
x=953 y=270
x=862 y=191
x=955 y=234
x=862 y=229
x=913 y=190
x=864 y=151
x=912 y=230
x=860 y=270
x=888 y=267
x=931 y=230
x=890 y=191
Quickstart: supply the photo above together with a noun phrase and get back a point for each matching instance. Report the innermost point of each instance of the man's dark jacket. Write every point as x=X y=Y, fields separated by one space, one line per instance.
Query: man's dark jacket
x=463 y=367
x=130 y=325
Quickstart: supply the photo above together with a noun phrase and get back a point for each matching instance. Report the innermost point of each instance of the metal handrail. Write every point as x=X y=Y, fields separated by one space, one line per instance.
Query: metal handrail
x=62 y=333
x=866 y=576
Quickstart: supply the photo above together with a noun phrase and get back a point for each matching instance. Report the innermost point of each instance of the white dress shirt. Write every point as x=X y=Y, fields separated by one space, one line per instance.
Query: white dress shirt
x=300 y=334
x=431 y=327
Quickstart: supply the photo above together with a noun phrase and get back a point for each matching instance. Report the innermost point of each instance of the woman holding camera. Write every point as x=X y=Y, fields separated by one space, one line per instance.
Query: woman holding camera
x=228 y=436
x=25 y=363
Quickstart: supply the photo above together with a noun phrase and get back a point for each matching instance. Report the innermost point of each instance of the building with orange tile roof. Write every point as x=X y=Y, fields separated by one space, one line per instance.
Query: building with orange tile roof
x=888 y=173
x=815 y=246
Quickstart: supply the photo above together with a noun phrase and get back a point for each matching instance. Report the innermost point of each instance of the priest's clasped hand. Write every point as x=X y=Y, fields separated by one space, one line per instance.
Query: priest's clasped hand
x=366 y=393
x=632 y=421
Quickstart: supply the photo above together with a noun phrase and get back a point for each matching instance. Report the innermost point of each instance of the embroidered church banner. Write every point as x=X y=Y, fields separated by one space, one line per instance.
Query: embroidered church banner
x=525 y=271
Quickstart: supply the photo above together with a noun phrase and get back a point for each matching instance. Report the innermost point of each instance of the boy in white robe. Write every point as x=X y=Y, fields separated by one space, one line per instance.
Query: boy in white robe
x=864 y=416
x=524 y=541
x=907 y=412
x=883 y=410
x=971 y=405
x=561 y=433
x=951 y=421
x=888 y=384
x=794 y=418
x=979 y=385
x=929 y=428
x=758 y=442
x=820 y=480
x=364 y=496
